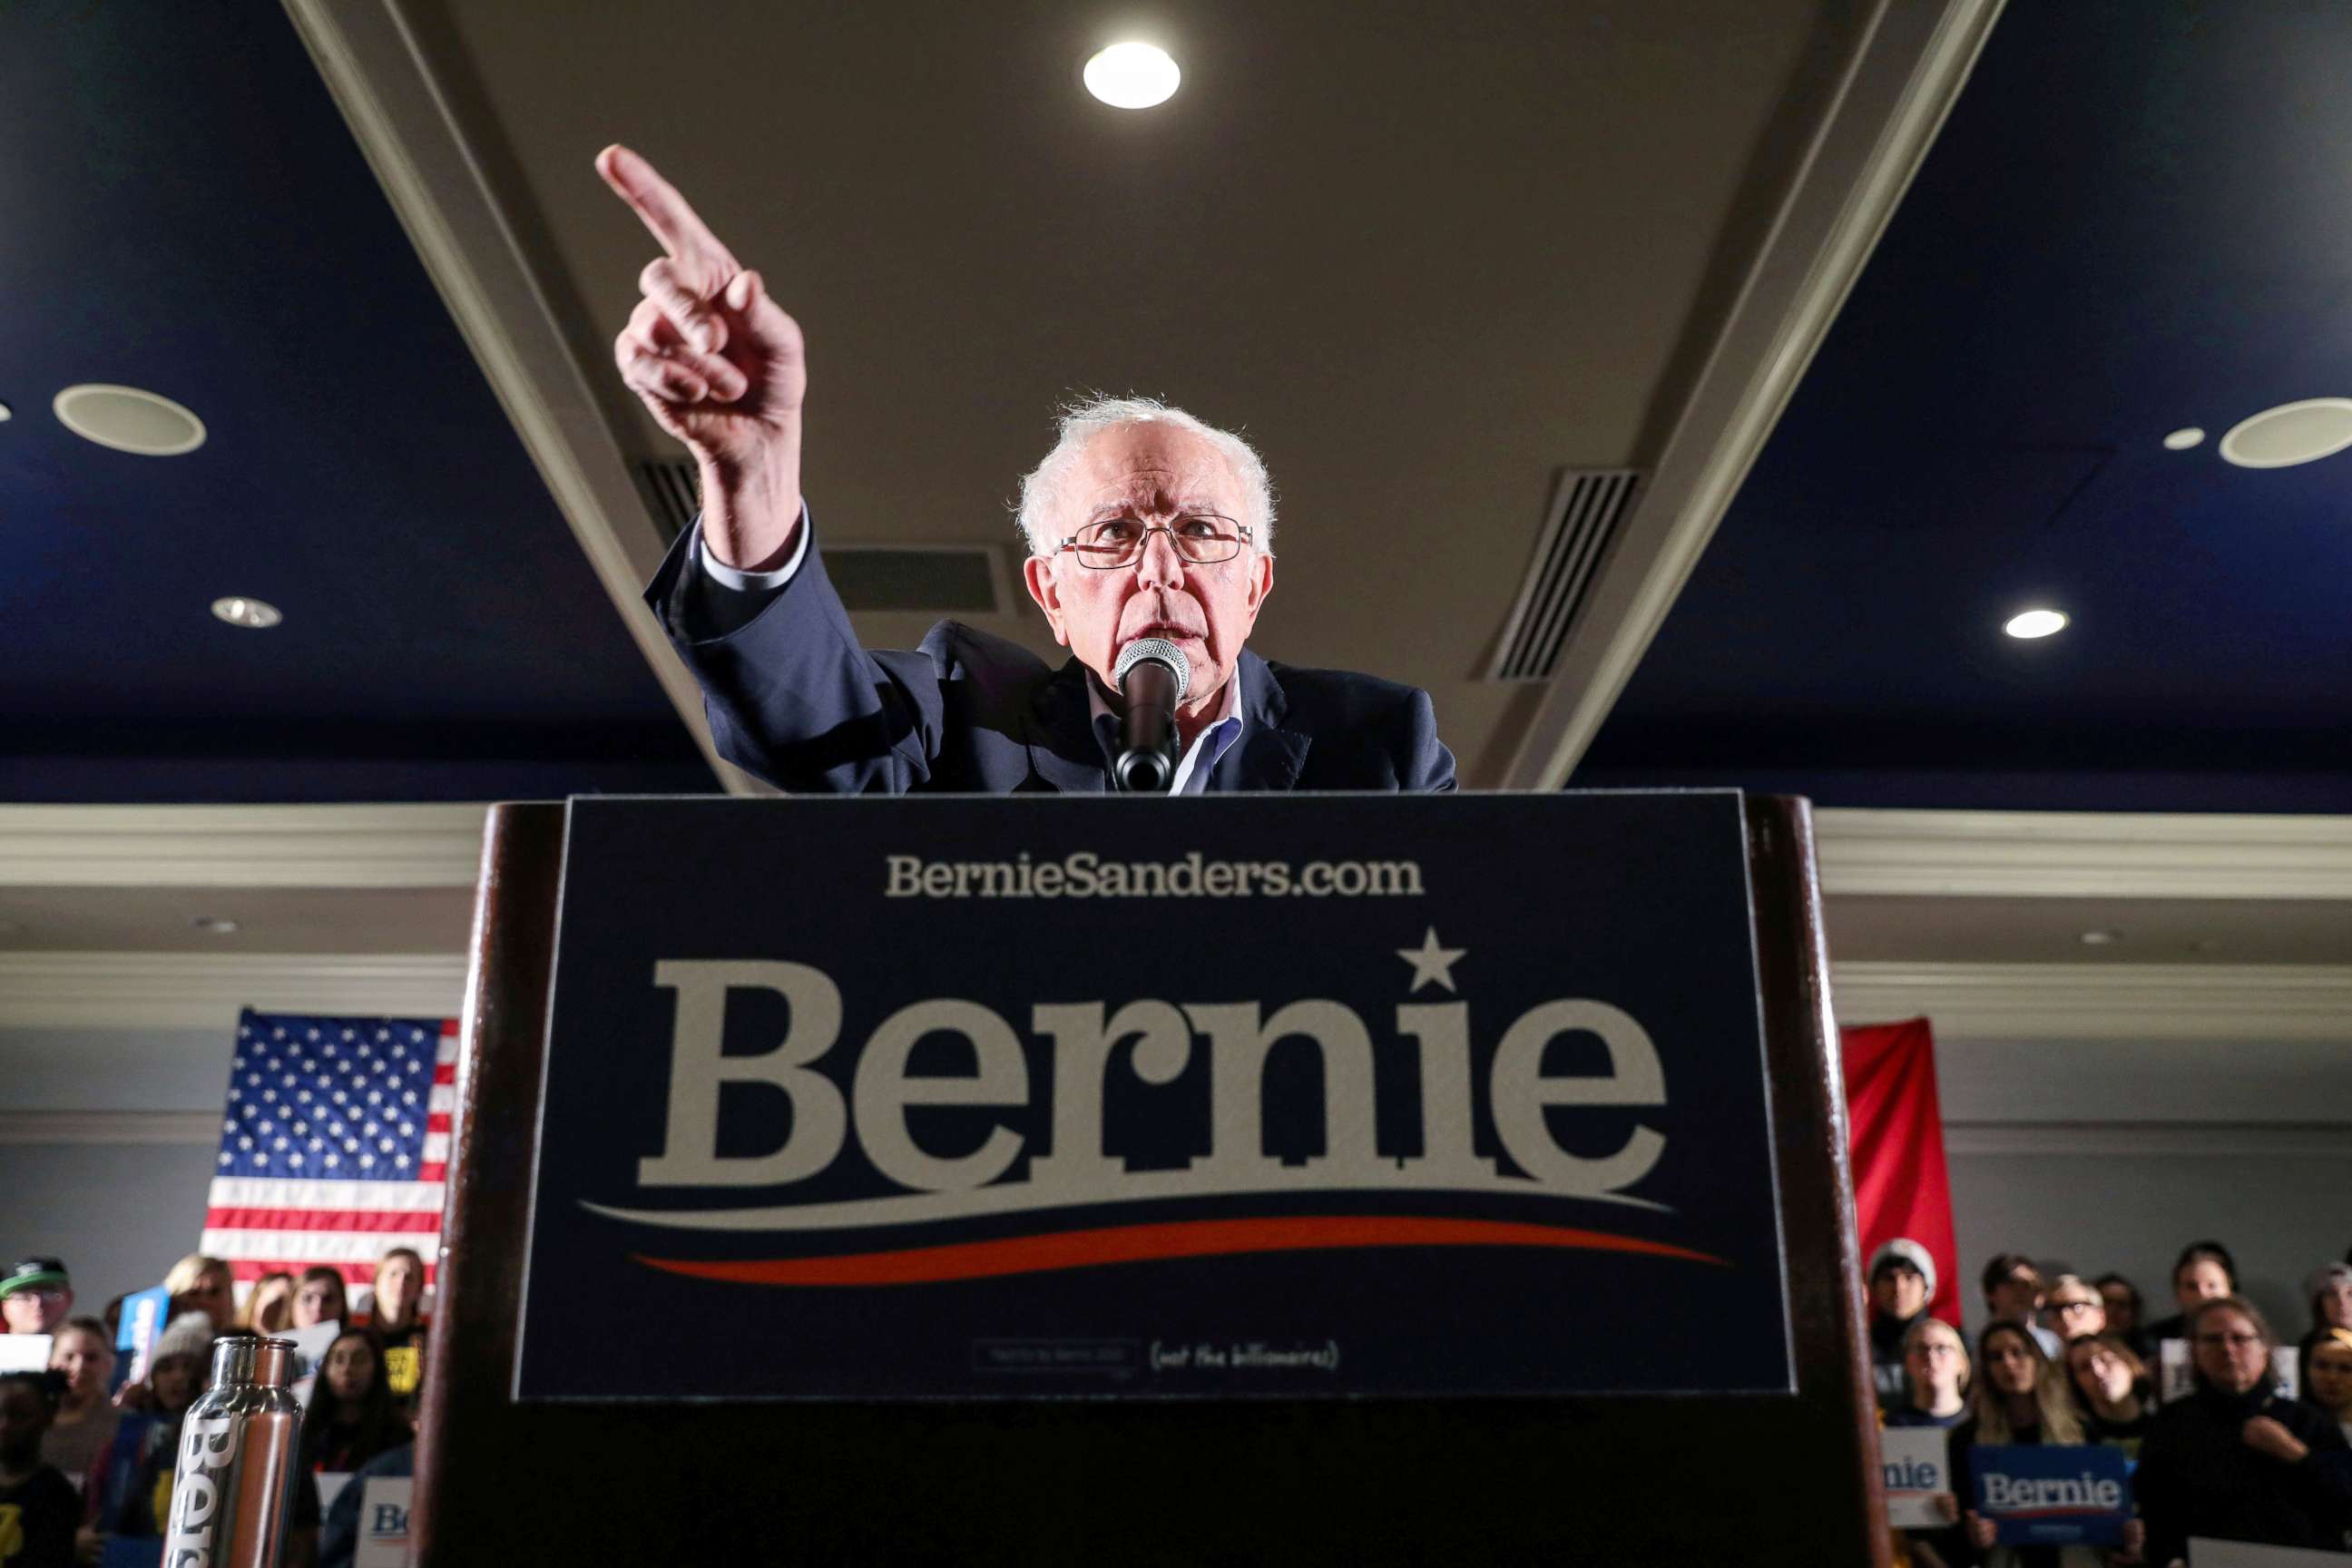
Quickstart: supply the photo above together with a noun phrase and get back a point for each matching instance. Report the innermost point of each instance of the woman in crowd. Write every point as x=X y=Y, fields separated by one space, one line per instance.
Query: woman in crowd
x=86 y=1417
x=2124 y=1311
x=2021 y=1398
x=1935 y=1373
x=2329 y=1390
x=350 y=1418
x=2234 y=1461
x=269 y=1308
x=319 y=1298
x=2111 y=1382
x=2075 y=1308
x=2203 y=1272
x=395 y=1318
x=130 y=1485
x=2329 y=1293
x=201 y=1284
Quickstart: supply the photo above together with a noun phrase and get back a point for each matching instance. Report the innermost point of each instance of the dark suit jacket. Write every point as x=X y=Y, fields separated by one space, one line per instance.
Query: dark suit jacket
x=794 y=698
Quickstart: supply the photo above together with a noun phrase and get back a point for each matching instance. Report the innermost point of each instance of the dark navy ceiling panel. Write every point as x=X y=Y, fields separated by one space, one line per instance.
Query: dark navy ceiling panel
x=185 y=212
x=2138 y=217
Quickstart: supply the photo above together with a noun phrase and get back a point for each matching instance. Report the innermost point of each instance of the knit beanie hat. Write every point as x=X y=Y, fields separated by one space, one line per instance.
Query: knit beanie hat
x=1906 y=1251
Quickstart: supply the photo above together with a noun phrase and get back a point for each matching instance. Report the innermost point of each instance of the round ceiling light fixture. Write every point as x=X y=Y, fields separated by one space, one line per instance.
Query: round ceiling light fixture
x=1132 y=76
x=2030 y=623
x=218 y=925
x=128 y=419
x=2292 y=433
x=251 y=613
x=2181 y=440
x=6 y=413
x=2101 y=938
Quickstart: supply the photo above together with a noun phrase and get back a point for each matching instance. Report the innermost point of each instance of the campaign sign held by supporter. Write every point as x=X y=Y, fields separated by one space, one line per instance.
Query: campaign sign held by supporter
x=143 y=1315
x=2078 y=1494
x=1916 y=1464
x=1198 y=1097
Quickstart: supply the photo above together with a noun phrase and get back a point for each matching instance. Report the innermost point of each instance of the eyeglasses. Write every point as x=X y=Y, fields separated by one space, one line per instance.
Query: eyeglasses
x=2235 y=1341
x=1201 y=538
x=2064 y=1307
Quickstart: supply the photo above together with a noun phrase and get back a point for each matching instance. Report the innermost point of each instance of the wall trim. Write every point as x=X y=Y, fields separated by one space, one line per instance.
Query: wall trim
x=197 y=1127
x=2106 y=1140
x=205 y=991
x=1901 y=83
x=2061 y=854
x=2103 y=1000
x=240 y=846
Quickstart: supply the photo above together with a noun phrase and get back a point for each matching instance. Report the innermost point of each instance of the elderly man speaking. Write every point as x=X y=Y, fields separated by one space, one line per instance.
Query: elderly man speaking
x=1142 y=523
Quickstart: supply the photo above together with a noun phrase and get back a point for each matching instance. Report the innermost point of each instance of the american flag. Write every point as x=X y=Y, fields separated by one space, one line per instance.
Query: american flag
x=334 y=1146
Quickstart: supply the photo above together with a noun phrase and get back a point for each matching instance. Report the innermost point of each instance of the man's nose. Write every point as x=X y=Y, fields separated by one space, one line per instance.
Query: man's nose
x=1158 y=565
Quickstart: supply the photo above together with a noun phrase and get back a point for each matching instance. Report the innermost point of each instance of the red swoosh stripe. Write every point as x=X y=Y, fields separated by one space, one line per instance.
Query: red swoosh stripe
x=1147 y=1242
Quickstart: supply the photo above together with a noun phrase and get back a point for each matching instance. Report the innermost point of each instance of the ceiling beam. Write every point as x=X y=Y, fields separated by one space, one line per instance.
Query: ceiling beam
x=240 y=846
x=2219 y=1001
x=2067 y=855
x=407 y=130
x=1901 y=82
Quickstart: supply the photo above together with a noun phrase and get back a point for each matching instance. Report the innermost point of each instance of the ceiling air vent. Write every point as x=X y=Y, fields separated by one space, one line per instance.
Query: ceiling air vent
x=933 y=579
x=1587 y=505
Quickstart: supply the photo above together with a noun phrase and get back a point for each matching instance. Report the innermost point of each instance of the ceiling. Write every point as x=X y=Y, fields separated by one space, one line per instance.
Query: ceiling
x=2133 y=221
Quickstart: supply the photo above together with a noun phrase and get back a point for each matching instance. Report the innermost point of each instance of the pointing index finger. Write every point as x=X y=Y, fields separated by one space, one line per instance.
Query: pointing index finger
x=676 y=224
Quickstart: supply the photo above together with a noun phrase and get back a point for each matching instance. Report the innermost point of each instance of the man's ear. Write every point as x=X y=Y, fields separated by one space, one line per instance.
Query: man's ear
x=1037 y=572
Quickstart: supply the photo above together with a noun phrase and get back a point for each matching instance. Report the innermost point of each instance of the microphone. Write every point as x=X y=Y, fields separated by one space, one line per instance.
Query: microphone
x=1153 y=676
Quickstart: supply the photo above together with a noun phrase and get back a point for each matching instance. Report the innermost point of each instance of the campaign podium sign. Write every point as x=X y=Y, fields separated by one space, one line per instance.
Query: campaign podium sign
x=2041 y=1495
x=1250 y=1096
x=1097 y=1160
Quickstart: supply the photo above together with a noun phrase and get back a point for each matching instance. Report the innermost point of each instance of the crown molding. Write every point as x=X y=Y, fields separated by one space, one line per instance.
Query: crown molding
x=2109 y=1140
x=2103 y=1000
x=240 y=846
x=1895 y=93
x=199 y=1126
x=2061 y=854
x=204 y=991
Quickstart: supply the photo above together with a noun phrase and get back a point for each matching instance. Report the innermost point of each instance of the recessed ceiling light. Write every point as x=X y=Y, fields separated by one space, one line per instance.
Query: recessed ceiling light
x=6 y=413
x=216 y=924
x=2035 y=624
x=128 y=419
x=252 y=613
x=2181 y=440
x=1132 y=76
x=2292 y=433
x=2101 y=938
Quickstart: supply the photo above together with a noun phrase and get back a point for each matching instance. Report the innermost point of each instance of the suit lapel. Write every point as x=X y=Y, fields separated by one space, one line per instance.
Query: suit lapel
x=1269 y=756
x=1063 y=751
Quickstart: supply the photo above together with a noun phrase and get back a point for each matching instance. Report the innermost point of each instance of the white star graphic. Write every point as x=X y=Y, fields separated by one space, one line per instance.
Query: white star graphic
x=1430 y=964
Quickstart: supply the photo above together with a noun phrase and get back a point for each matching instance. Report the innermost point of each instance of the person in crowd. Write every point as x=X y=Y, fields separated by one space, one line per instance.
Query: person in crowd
x=129 y=1489
x=2329 y=1293
x=1936 y=1375
x=338 y=1539
x=2124 y=1311
x=2203 y=1272
x=352 y=1417
x=35 y=1296
x=2073 y=1308
x=2111 y=1383
x=2021 y=1398
x=2012 y=1293
x=201 y=1284
x=2328 y=1389
x=86 y=1416
x=396 y=1317
x=269 y=1306
x=37 y=1506
x=2236 y=1460
x=1901 y=1288
x=319 y=1298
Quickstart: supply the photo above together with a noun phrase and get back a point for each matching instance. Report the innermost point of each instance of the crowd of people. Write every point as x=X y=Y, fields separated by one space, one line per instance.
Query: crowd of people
x=2248 y=1443
x=88 y=1453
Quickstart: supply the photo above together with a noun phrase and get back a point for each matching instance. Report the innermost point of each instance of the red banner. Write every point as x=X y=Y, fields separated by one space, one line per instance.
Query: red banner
x=1900 y=1185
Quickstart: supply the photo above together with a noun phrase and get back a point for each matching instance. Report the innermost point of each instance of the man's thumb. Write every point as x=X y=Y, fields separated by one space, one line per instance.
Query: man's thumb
x=743 y=290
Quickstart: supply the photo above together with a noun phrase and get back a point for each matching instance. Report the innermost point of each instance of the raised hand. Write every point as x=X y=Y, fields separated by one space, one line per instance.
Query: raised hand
x=720 y=366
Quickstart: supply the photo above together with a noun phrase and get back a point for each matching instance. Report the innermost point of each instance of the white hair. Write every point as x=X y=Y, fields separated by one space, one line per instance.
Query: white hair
x=1082 y=421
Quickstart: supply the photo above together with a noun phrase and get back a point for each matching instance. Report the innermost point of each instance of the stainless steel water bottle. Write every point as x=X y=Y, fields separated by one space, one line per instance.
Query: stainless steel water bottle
x=239 y=1445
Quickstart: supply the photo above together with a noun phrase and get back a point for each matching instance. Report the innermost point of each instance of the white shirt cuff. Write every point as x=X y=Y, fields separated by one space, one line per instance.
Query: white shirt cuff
x=744 y=582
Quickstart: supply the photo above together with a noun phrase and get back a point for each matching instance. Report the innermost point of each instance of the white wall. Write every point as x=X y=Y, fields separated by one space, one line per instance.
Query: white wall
x=119 y=1214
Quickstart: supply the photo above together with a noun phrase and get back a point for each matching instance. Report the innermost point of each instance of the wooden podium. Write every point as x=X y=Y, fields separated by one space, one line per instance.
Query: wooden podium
x=1749 y=1478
